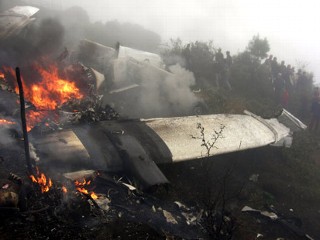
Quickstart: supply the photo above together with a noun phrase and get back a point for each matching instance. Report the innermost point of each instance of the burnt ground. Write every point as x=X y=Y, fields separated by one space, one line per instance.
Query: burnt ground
x=120 y=213
x=284 y=181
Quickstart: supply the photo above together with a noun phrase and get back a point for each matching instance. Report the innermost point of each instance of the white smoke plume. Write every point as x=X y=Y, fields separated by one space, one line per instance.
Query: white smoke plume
x=161 y=93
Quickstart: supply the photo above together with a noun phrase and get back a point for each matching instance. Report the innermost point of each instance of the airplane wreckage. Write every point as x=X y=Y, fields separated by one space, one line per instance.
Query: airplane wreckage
x=137 y=83
x=137 y=146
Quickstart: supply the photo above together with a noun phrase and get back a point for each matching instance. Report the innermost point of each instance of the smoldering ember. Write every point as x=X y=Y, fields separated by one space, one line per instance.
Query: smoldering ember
x=103 y=136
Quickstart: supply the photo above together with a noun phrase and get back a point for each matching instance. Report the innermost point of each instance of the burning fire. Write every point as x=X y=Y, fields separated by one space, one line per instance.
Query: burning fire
x=64 y=189
x=4 y=122
x=52 y=91
x=48 y=93
x=80 y=186
x=44 y=182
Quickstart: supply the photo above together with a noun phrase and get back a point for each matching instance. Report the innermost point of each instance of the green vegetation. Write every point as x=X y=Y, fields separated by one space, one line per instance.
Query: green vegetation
x=251 y=78
x=259 y=47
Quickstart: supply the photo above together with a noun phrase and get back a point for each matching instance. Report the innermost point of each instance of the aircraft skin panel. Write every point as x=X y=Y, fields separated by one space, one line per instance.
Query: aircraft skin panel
x=61 y=149
x=115 y=146
x=238 y=132
x=141 y=56
x=14 y=19
x=27 y=11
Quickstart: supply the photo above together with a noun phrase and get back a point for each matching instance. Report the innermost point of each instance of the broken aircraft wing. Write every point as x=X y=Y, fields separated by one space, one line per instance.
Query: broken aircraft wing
x=227 y=133
x=136 y=146
x=15 y=19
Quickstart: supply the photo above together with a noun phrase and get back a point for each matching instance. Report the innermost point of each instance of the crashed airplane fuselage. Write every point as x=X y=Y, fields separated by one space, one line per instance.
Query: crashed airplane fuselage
x=137 y=146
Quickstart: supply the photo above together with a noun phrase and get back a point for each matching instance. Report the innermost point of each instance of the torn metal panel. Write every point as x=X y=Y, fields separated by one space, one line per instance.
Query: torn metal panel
x=94 y=54
x=15 y=19
x=291 y=121
x=102 y=52
x=139 y=164
x=101 y=147
x=154 y=146
x=61 y=149
x=127 y=69
x=271 y=215
x=99 y=77
x=80 y=175
x=141 y=56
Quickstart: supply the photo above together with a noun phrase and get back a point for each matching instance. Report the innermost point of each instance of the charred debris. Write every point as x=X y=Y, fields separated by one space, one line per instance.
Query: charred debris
x=60 y=205
x=44 y=202
x=94 y=172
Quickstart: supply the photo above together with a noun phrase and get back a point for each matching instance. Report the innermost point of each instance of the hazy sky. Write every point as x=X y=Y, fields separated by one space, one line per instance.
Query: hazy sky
x=292 y=27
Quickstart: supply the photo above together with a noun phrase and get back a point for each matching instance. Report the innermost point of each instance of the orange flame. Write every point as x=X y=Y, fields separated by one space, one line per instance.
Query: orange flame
x=64 y=189
x=93 y=196
x=1 y=75
x=81 y=188
x=4 y=121
x=44 y=182
x=51 y=92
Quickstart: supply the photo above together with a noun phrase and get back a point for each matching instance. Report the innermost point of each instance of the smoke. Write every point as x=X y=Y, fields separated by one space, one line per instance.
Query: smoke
x=178 y=88
x=160 y=93
x=49 y=36
x=75 y=21
x=45 y=37
x=41 y=39
x=174 y=59
x=6 y=136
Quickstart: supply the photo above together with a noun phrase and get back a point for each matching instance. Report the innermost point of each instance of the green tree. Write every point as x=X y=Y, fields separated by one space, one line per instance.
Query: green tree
x=251 y=80
x=258 y=47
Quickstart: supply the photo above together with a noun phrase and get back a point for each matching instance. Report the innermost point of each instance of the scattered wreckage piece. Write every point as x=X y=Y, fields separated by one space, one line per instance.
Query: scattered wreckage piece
x=118 y=199
x=94 y=54
x=15 y=19
x=164 y=217
x=84 y=174
x=267 y=214
x=116 y=202
x=273 y=216
x=132 y=76
x=137 y=146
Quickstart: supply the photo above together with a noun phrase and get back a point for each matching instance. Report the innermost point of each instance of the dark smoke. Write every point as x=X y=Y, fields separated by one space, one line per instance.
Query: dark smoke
x=41 y=39
x=49 y=36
